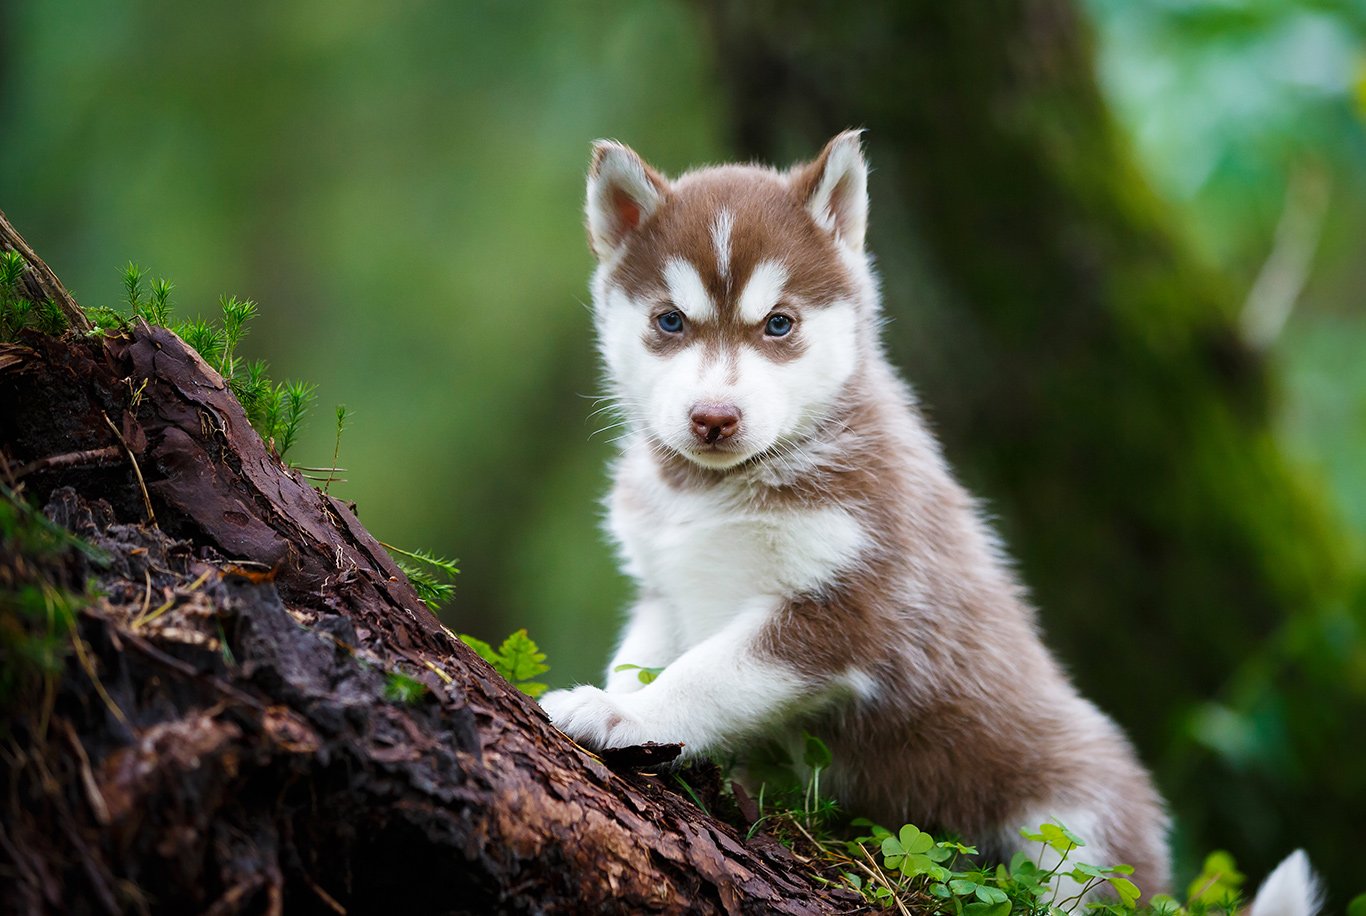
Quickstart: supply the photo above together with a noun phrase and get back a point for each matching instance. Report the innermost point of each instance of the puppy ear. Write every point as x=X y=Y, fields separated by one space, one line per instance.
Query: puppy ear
x=835 y=189
x=622 y=193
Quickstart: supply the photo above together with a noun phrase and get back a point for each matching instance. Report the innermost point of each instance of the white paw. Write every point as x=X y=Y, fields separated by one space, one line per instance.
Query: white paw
x=594 y=718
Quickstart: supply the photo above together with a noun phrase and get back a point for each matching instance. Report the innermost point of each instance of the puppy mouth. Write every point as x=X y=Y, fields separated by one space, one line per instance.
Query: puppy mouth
x=723 y=453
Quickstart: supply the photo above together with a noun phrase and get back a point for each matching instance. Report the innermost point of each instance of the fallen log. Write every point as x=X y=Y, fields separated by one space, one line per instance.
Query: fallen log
x=223 y=736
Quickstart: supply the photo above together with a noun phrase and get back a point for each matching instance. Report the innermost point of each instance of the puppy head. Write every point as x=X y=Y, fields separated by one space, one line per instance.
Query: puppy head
x=732 y=305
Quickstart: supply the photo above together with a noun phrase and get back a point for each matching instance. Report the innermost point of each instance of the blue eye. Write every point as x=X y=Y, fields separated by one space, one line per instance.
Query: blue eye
x=778 y=326
x=670 y=322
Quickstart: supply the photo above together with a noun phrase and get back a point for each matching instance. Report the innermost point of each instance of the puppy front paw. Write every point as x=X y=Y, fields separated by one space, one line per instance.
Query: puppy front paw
x=594 y=718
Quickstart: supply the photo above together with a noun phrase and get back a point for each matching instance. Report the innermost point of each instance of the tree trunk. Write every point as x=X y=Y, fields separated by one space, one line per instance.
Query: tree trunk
x=220 y=738
x=1083 y=369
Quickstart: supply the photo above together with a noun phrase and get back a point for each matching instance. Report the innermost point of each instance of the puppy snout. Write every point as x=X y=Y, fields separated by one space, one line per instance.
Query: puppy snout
x=713 y=422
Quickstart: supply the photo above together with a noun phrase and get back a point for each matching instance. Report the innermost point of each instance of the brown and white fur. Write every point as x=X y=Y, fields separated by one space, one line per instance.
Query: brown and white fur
x=804 y=557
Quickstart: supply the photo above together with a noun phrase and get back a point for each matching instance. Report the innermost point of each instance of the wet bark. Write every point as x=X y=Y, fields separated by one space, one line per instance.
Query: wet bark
x=221 y=739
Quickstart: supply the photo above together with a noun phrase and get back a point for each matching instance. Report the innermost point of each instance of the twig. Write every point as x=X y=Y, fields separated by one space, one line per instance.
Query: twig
x=165 y=606
x=146 y=595
x=92 y=789
x=882 y=876
x=142 y=484
x=325 y=897
x=88 y=666
x=439 y=673
x=70 y=459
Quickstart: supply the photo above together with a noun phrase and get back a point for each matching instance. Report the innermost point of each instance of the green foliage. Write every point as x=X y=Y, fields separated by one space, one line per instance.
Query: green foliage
x=275 y=410
x=691 y=793
x=19 y=313
x=432 y=577
x=913 y=853
x=646 y=674
x=1219 y=882
x=518 y=659
x=343 y=414
x=787 y=791
x=400 y=688
x=914 y=869
x=37 y=611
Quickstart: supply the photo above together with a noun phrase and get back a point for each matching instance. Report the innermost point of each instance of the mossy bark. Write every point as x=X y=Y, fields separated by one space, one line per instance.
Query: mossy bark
x=222 y=738
x=1081 y=365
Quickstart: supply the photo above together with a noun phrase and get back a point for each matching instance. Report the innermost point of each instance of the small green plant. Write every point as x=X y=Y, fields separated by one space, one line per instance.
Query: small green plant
x=275 y=410
x=400 y=688
x=37 y=610
x=786 y=797
x=644 y=674
x=913 y=871
x=518 y=659
x=943 y=877
x=18 y=312
x=432 y=577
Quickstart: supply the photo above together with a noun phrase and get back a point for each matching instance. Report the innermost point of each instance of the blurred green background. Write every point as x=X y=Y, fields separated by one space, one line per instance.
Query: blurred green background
x=400 y=187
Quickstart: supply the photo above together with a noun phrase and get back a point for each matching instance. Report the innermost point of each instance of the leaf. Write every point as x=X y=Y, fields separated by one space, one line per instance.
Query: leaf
x=990 y=894
x=1218 y=880
x=1164 y=905
x=518 y=659
x=1358 y=905
x=982 y=908
x=892 y=853
x=940 y=853
x=1060 y=838
x=1127 y=890
x=522 y=657
x=816 y=753
x=483 y=649
x=429 y=588
x=915 y=841
x=1022 y=864
x=646 y=674
x=957 y=847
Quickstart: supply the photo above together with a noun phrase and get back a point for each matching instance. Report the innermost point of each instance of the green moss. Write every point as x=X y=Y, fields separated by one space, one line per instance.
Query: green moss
x=37 y=602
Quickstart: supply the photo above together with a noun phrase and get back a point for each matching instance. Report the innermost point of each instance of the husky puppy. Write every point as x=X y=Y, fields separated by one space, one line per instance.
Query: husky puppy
x=805 y=559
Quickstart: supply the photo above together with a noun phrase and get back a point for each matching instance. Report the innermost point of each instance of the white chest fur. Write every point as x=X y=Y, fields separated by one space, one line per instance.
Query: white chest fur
x=712 y=557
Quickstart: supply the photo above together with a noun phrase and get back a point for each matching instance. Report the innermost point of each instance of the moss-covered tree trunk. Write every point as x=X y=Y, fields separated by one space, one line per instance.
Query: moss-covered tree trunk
x=1082 y=367
x=224 y=697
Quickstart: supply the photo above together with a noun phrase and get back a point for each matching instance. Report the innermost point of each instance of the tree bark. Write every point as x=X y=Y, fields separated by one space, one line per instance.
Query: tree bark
x=220 y=739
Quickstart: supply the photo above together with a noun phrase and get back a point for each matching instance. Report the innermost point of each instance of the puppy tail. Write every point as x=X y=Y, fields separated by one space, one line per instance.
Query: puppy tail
x=1290 y=890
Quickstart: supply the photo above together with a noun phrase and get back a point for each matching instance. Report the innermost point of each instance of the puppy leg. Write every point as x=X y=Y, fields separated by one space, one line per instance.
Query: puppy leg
x=715 y=693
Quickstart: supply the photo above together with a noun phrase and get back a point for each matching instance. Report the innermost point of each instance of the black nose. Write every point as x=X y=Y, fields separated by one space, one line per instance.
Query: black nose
x=714 y=422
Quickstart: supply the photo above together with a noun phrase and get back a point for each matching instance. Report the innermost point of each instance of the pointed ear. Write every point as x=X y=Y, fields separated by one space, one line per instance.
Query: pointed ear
x=835 y=189
x=622 y=193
